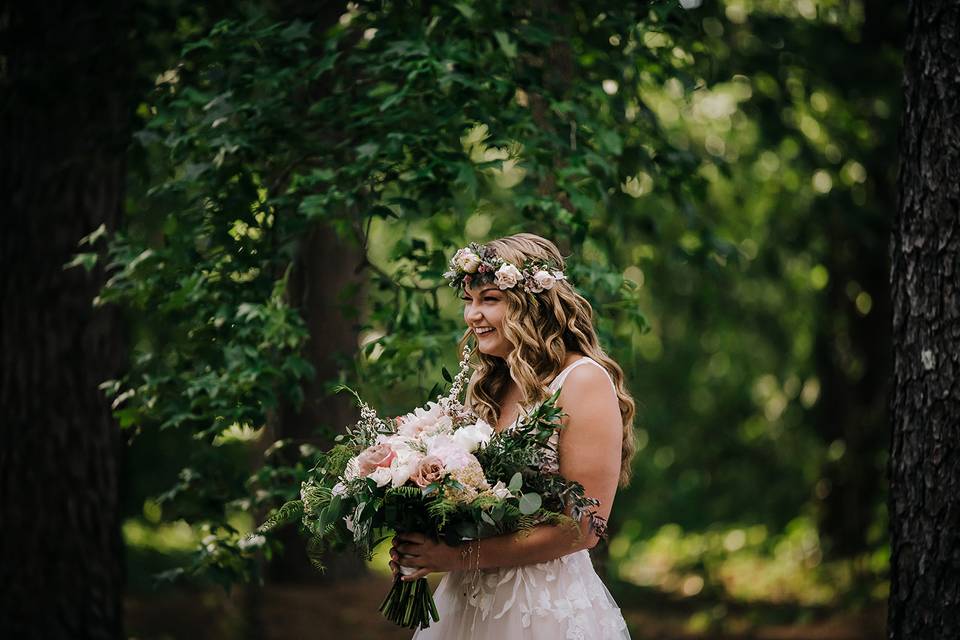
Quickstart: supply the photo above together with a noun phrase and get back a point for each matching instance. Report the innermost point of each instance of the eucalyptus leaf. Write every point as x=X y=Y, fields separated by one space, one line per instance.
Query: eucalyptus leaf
x=529 y=503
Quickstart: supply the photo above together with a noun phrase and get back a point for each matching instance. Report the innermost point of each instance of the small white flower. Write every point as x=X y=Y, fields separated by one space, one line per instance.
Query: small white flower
x=501 y=491
x=690 y=4
x=252 y=542
x=339 y=489
x=507 y=276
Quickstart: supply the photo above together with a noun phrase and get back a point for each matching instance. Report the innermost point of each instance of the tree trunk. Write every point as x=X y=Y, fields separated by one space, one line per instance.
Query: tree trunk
x=925 y=277
x=326 y=288
x=63 y=132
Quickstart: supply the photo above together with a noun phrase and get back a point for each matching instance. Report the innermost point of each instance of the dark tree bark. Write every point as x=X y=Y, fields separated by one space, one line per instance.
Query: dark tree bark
x=925 y=277
x=63 y=135
x=325 y=287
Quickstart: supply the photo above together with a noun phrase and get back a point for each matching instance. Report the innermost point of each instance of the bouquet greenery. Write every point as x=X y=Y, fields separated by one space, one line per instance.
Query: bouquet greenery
x=441 y=471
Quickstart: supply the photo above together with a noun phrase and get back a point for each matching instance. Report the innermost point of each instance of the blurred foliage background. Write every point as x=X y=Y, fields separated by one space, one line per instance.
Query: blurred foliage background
x=721 y=178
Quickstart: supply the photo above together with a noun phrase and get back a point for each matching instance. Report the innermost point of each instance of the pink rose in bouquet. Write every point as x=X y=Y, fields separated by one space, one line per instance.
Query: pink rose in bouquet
x=378 y=455
x=430 y=469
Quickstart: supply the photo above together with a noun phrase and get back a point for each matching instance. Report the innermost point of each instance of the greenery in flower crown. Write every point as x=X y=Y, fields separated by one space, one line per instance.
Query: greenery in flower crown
x=478 y=264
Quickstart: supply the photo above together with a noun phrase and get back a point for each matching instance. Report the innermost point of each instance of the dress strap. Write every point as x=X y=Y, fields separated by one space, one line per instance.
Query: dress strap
x=555 y=384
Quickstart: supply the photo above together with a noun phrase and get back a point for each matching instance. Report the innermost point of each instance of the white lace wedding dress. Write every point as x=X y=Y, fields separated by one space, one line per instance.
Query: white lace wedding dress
x=555 y=600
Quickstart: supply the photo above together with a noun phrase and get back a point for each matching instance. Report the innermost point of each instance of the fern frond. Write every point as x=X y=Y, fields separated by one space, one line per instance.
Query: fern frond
x=290 y=512
x=315 y=548
x=315 y=497
x=441 y=510
x=404 y=492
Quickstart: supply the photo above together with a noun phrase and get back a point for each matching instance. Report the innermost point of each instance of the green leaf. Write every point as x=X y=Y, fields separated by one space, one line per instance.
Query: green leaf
x=515 y=482
x=508 y=47
x=610 y=141
x=86 y=260
x=529 y=503
x=465 y=9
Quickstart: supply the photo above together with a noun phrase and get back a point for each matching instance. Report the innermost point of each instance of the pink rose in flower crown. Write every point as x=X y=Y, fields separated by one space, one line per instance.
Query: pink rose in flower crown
x=507 y=276
x=430 y=469
x=374 y=456
x=467 y=260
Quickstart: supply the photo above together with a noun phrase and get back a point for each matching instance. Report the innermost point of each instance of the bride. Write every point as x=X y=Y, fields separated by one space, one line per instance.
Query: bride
x=534 y=335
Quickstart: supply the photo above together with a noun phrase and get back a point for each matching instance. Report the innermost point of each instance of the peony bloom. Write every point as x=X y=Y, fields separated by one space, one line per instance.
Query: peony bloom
x=451 y=453
x=429 y=470
x=373 y=457
x=412 y=424
x=471 y=437
x=507 y=276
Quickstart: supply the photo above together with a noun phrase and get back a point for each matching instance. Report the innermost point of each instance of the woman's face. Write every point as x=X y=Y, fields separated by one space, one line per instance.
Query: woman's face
x=484 y=310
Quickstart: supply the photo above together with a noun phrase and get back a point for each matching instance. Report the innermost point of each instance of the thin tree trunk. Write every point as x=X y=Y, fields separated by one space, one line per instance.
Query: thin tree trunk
x=925 y=276
x=63 y=135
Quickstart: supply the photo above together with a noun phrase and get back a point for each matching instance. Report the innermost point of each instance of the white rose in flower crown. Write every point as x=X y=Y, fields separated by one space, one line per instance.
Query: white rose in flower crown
x=471 y=437
x=544 y=279
x=507 y=276
x=467 y=260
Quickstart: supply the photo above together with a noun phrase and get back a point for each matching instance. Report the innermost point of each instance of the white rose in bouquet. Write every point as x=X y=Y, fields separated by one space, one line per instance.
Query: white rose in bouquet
x=473 y=436
x=382 y=476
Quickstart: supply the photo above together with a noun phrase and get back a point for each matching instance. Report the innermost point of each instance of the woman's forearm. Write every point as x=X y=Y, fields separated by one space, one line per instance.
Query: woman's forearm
x=540 y=544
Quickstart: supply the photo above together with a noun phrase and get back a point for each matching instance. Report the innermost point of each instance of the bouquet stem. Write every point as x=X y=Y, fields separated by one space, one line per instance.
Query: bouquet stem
x=410 y=604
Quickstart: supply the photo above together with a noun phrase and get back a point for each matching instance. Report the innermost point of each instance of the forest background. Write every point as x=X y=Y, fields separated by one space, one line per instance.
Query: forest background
x=294 y=177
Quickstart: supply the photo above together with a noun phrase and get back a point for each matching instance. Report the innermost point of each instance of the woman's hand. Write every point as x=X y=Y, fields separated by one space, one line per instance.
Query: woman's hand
x=423 y=554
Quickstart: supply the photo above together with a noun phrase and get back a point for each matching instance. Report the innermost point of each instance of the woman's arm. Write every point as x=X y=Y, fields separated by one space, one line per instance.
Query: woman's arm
x=589 y=448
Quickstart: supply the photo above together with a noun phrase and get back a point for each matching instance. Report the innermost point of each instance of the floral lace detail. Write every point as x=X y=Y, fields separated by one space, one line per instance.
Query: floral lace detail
x=566 y=591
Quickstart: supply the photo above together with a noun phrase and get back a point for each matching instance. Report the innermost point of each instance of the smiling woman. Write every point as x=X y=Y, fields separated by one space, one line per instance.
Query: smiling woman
x=484 y=312
x=534 y=334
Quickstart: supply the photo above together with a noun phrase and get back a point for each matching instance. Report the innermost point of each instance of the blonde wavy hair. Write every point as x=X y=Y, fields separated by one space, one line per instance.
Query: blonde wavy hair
x=543 y=327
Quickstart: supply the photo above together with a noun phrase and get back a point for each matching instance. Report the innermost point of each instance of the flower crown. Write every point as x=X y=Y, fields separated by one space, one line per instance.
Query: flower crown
x=478 y=264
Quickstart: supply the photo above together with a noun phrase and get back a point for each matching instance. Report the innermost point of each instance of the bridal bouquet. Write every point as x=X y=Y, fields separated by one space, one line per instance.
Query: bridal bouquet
x=441 y=471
